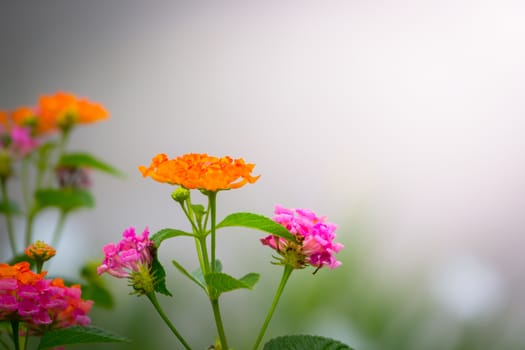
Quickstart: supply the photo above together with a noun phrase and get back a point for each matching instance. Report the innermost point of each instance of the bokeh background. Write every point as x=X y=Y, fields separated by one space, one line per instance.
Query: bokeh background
x=402 y=121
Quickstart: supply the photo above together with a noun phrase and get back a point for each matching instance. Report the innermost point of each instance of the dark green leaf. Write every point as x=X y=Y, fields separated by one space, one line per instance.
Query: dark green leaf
x=100 y=295
x=304 y=342
x=87 y=160
x=10 y=207
x=221 y=282
x=258 y=222
x=78 y=335
x=166 y=233
x=20 y=258
x=66 y=199
x=159 y=277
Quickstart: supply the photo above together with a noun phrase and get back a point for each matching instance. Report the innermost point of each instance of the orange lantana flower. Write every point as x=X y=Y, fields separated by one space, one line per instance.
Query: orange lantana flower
x=25 y=117
x=21 y=272
x=200 y=171
x=64 y=110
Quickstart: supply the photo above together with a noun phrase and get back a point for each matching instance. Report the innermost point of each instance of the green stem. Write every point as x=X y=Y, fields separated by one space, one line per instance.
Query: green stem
x=26 y=339
x=286 y=274
x=59 y=228
x=213 y=212
x=189 y=214
x=154 y=301
x=29 y=227
x=24 y=176
x=8 y=217
x=218 y=322
x=14 y=326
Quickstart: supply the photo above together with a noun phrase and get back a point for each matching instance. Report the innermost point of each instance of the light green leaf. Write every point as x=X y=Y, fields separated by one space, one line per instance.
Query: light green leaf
x=258 y=222
x=89 y=161
x=78 y=335
x=221 y=282
x=182 y=270
x=199 y=276
x=66 y=199
x=166 y=233
x=305 y=342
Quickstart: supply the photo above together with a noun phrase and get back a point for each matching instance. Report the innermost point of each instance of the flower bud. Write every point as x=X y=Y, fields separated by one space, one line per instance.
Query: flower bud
x=180 y=194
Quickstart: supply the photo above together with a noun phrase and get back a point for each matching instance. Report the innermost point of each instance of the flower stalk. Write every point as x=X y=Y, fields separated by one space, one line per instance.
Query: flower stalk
x=284 y=279
x=8 y=216
x=162 y=314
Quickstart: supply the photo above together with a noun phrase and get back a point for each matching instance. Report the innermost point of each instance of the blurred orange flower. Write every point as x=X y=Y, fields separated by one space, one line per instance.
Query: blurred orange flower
x=64 y=110
x=200 y=171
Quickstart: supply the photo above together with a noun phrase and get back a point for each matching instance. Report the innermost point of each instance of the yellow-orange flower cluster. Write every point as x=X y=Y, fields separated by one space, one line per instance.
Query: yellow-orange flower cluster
x=40 y=251
x=53 y=112
x=200 y=171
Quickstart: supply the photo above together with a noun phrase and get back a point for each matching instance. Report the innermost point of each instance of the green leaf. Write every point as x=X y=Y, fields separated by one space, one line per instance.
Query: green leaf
x=66 y=199
x=182 y=270
x=159 y=277
x=166 y=233
x=258 y=222
x=221 y=282
x=10 y=207
x=198 y=275
x=100 y=295
x=305 y=342
x=78 y=335
x=89 y=161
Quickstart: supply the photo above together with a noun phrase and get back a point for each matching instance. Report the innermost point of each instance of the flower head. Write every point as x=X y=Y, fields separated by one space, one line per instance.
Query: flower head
x=130 y=258
x=200 y=171
x=315 y=237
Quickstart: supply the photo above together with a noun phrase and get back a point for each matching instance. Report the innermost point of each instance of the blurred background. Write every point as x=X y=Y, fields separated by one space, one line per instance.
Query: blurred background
x=401 y=121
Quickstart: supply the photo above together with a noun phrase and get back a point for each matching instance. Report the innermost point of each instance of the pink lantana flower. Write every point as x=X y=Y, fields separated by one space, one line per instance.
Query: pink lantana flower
x=22 y=142
x=314 y=246
x=131 y=258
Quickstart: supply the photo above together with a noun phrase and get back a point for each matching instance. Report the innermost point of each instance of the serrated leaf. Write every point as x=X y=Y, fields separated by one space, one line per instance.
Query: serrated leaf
x=166 y=233
x=159 y=277
x=305 y=342
x=87 y=160
x=78 y=335
x=221 y=282
x=258 y=222
x=10 y=207
x=66 y=199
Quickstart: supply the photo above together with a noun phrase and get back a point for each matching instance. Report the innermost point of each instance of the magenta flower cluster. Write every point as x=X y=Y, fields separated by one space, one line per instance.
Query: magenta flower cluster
x=18 y=140
x=315 y=237
x=128 y=255
x=41 y=303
